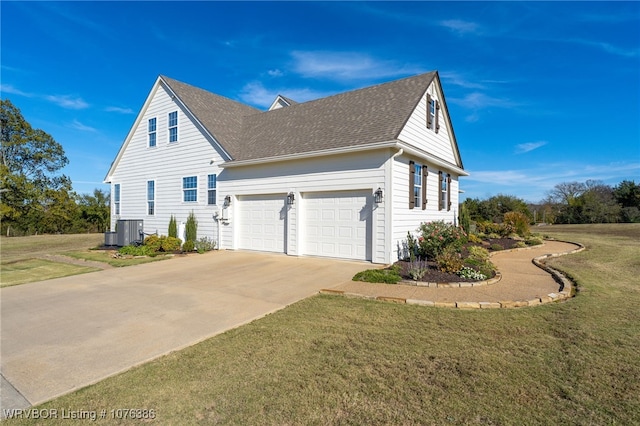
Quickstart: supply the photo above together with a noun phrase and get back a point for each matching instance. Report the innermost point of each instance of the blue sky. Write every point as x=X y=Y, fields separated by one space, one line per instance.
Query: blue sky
x=539 y=92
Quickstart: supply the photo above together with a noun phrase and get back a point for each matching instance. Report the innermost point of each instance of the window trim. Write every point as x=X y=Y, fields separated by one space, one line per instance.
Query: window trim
x=185 y=189
x=171 y=127
x=153 y=132
x=433 y=120
x=418 y=184
x=151 y=201
x=213 y=189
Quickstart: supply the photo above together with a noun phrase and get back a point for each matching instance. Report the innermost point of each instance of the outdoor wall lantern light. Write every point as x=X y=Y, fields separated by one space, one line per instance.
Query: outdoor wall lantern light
x=227 y=200
x=291 y=198
x=377 y=196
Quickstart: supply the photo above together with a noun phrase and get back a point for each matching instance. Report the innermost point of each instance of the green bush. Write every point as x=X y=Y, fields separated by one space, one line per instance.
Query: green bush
x=205 y=244
x=533 y=241
x=188 y=246
x=518 y=222
x=191 y=228
x=449 y=260
x=480 y=260
x=386 y=276
x=153 y=242
x=487 y=227
x=436 y=237
x=495 y=247
x=471 y=274
x=173 y=227
x=136 y=251
x=170 y=244
x=465 y=219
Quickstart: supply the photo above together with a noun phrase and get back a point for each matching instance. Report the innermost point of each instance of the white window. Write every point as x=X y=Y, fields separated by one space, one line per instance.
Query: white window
x=190 y=189
x=432 y=113
x=445 y=183
x=116 y=197
x=173 y=126
x=151 y=197
x=211 y=190
x=417 y=185
x=152 y=132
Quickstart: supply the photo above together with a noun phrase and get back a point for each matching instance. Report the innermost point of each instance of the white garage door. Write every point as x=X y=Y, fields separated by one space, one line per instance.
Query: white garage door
x=262 y=222
x=338 y=224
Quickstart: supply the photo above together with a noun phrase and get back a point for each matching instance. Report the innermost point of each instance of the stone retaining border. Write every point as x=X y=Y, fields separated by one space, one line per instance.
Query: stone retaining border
x=565 y=292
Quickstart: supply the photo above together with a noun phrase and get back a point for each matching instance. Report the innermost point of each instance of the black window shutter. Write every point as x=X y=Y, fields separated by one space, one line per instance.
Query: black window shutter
x=448 y=192
x=428 y=111
x=437 y=116
x=412 y=180
x=440 y=177
x=425 y=173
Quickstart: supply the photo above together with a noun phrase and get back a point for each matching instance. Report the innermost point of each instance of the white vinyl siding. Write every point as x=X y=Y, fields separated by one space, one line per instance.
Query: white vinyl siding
x=407 y=220
x=416 y=133
x=166 y=164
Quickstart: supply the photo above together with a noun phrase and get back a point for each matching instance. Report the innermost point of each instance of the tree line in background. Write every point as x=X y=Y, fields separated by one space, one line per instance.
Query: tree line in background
x=35 y=198
x=568 y=202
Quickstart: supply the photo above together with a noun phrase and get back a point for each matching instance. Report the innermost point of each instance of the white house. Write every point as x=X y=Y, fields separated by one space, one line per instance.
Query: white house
x=344 y=176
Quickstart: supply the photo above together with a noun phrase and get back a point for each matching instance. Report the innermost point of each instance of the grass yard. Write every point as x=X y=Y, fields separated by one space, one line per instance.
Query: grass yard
x=21 y=257
x=334 y=360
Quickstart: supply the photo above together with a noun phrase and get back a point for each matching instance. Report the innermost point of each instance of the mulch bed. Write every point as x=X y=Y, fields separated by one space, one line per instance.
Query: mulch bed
x=433 y=275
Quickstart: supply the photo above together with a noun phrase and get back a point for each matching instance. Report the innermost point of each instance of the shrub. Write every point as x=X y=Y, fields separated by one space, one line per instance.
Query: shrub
x=417 y=269
x=474 y=239
x=487 y=227
x=495 y=247
x=521 y=244
x=533 y=241
x=465 y=219
x=173 y=227
x=435 y=237
x=518 y=221
x=191 y=228
x=480 y=261
x=136 y=251
x=170 y=244
x=188 y=246
x=449 y=260
x=153 y=242
x=205 y=244
x=387 y=276
x=412 y=247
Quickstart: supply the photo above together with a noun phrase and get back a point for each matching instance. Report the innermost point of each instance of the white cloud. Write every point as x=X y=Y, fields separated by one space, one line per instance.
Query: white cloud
x=7 y=88
x=460 y=27
x=347 y=66
x=67 y=101
x=529 y=146
x=255 y=93
x=120 y=110
x=454 y=78
x=79 y=126
x=275 y=73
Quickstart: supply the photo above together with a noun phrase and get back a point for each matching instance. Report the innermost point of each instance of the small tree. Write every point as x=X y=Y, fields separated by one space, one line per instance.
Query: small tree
x=191 y=228
x=173 y=227
x=465 y=220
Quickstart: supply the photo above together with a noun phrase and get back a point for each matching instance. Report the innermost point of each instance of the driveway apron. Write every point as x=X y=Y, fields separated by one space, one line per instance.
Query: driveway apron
x=63 y=334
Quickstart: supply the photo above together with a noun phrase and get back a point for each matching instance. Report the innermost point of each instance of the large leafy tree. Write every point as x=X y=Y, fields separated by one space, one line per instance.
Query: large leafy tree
x=35 y=198
x=93 y=213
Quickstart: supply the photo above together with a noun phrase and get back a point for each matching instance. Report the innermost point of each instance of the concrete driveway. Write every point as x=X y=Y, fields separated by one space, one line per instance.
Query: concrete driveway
x=63 y=334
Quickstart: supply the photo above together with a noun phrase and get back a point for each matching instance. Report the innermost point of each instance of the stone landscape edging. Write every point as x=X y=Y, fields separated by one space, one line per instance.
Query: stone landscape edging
x=565 y=292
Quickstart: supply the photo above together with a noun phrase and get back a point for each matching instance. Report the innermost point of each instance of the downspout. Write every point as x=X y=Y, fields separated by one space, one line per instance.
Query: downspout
x=389 y=224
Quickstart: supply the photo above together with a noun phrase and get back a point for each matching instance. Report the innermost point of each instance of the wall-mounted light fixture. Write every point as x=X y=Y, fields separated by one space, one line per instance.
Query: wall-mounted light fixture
x=377 y=196
x=291 y=197
x=227 y=201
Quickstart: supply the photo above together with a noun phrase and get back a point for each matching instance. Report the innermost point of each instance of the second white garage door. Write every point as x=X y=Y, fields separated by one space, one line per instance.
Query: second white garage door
x=262 y=222
x=338 y=224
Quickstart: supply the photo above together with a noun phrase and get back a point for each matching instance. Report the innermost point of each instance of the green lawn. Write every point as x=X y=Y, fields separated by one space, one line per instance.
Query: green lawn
x=21 y=257
x=335 y=360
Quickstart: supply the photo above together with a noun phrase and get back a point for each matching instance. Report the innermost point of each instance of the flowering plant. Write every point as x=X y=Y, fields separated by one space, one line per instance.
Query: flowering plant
x=436 y=236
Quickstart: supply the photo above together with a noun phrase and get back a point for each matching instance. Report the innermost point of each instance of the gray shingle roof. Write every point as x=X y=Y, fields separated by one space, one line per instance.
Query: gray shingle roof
x=373 y=114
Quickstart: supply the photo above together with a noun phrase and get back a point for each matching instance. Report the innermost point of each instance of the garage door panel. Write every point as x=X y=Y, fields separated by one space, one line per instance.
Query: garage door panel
x=343 y=221
x=262 y=222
